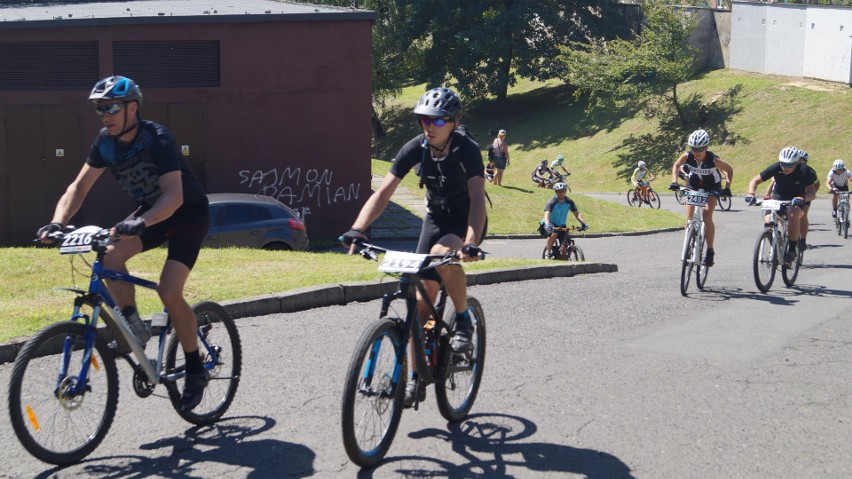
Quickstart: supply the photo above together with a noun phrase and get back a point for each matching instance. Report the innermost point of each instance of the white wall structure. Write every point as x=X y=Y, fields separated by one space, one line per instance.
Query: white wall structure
x=812 y=41
x=785 y=39
x=828 y=43
x=748 y=37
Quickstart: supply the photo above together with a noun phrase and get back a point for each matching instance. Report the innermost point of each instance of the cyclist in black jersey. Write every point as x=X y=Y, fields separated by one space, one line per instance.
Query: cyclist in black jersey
x=449 y=164
x=172 y=206
x=701 y=169
x=794 y=182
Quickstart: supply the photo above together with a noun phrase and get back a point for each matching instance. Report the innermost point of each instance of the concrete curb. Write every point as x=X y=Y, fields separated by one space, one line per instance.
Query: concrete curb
x=412 y=237
x=341 y=294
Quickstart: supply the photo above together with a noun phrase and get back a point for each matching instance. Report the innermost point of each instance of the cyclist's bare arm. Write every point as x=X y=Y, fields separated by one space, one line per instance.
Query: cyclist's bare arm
x=375 y=205
x=677 y=164
x=769 y=188
x=726 y=169
x=169 y=201
x=476 y=215
x=71 y=201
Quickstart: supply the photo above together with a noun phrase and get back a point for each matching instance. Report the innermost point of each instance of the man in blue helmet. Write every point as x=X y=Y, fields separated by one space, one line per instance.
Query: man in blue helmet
x=449 y=164
x=171 y=206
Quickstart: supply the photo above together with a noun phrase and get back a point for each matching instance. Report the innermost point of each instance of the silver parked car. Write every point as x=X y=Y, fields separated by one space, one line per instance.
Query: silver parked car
x=254 y=221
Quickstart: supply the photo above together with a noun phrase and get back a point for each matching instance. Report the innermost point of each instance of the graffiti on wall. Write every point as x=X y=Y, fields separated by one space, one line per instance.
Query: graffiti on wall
x=300 y=188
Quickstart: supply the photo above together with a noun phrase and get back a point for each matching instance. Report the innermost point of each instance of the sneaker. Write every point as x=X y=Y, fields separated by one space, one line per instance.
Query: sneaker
x=803 y=245
x=411 y=396
x=709 y=257
x=193 y=390
x=548 y=255
x=834 y=214
x=790 y=255
x=463 y=333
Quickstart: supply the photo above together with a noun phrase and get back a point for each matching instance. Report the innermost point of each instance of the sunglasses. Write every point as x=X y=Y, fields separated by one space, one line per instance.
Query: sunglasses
x=699 y=150
x=439 y=122
x=787 y=165
x=110 y=109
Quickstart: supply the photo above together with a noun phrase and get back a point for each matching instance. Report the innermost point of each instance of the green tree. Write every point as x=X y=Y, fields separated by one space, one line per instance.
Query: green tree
x=637 y=73
x=483 y=46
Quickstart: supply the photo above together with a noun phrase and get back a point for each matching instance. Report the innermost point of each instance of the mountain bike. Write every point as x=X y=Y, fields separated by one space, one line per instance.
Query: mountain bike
x=63 y=392
x=645 y=195
x=557 y=178
x=564 y=247
x=770 y=247
x=841 y=221
x=692 y=255
x=376 y=377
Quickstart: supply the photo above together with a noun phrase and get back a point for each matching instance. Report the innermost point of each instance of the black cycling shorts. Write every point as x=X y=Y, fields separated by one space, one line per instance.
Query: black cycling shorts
x=185 y=234
x=436 y=228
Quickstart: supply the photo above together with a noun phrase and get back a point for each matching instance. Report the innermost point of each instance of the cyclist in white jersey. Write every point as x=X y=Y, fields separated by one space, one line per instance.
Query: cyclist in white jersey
x=837 y=180
x=638 y=178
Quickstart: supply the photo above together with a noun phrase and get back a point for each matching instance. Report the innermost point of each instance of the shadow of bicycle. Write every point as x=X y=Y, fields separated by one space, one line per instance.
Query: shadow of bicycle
x=224 y=442
x=487 y=445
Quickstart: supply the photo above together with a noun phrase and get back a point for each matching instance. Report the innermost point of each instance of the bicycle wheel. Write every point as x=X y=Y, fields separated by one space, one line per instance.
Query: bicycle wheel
x=461 y=373
x=789 y=273
x=654 y=199
x=687 y=261
x=844 y=221
x=52 y=422
x=724 y=203
x=372 y=395
x=764 y=261
x=575 y=253
x=838 y=220
x=221 y=352
x=679 y=197
x=700 y=269
x=632 y=199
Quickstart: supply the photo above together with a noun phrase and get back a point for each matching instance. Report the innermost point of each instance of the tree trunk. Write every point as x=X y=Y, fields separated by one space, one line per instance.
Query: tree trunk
x=378 y=130
x=677 y=105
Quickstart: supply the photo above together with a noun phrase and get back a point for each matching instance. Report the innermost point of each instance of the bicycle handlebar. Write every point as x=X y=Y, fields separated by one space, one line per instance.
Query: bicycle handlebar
x=371 y=252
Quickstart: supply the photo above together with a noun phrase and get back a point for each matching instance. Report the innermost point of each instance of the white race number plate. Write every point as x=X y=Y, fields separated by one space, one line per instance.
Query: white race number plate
x=401 y=262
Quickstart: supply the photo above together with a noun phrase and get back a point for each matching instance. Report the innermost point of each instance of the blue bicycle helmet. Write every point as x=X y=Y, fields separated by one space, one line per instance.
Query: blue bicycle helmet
x=116 y=88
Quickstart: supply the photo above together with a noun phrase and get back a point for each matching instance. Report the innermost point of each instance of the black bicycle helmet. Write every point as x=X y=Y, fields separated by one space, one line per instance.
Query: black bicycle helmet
x=439 y=102
x=116 y=88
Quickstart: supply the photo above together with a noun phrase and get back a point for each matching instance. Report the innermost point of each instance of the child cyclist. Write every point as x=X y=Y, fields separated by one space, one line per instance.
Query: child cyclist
x=556 y=214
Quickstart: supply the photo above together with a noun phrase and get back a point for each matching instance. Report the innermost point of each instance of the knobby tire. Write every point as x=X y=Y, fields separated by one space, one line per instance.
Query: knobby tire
x=460 y=374
x=372 y=404
x=220 y=331
x=764 y=262
x=687 y=264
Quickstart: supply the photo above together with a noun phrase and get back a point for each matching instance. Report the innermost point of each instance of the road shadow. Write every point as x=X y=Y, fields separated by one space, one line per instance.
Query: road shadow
x=522 y=190
x=225 y=442
x=487 y=445
x=822 y=291
x=727 y=294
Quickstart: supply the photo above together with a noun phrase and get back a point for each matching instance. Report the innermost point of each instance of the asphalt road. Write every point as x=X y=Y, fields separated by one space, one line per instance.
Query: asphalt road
x=609 y=375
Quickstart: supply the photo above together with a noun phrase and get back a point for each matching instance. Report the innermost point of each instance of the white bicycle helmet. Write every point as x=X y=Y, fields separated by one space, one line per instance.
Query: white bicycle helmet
x=803 y=155
x=641 y=164
x=560 y=186
x=698 y=139
x=789 y=155
x=839 y=165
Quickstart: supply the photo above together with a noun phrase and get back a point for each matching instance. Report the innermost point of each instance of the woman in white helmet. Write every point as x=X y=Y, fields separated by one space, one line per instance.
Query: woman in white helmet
x=837 y=180
x=701 y=168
